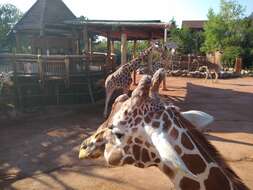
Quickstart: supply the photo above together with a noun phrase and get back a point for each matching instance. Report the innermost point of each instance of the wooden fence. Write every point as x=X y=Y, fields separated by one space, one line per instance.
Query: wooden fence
x=56 y=79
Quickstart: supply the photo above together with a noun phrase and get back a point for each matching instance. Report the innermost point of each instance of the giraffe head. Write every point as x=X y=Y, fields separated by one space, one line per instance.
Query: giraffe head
x=144 y=131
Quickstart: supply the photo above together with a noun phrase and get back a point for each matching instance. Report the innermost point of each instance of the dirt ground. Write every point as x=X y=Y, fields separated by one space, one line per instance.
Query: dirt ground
x=41 y=151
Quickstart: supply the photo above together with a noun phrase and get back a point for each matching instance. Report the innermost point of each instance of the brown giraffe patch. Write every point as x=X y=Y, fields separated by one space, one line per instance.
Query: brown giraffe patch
x=136 y=152
x=147 y=119
x=176 y=122
x=147 y=144
x=200 y=148
x=157 y=160
x=186 y=142
x=158 y=114
x=189 y=184
x=129 y=140
x=153 y=155
x=156 y=124
x=123 y=123
x=128 y=160
x=138 y=141
x=178 y=150
x=140 y=165
x=137 y=120
x=134 y=130
x=145 y=155
x=126 y=149
x=168 y=171
x=216 y=180
x=130 y=121
x=194 y=163
x=135 y=113
x=174 y=133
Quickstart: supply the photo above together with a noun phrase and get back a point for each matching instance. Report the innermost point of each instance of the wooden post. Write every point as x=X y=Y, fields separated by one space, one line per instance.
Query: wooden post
x=112 y=52
x=123 y=48
x=90 y=50
x=16 y=91
x=108 y=58
x=150 y=59
x=134 y=56
x=40 y=66
x=189 y=62
x=86 y=45
x=67 y=61
x=238 y=65
x=18 y=47
x=164 y=43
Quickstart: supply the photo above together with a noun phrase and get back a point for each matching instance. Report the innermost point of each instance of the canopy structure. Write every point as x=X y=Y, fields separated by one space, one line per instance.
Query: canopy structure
x=134 y=29
x=53 y=29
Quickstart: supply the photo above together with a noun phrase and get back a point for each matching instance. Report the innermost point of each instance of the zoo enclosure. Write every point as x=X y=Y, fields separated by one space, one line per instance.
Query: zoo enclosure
x=56 y=79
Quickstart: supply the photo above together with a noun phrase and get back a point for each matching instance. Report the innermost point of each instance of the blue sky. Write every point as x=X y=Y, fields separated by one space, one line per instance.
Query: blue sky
x=138 y=9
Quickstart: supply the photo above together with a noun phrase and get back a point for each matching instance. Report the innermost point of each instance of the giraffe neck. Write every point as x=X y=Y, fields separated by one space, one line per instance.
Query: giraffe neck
x=135 y=63
x=206 y=168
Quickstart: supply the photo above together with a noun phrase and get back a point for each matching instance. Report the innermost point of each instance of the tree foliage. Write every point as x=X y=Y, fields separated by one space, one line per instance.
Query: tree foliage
x=9 y=15
x=224 y=28
x=188 y=41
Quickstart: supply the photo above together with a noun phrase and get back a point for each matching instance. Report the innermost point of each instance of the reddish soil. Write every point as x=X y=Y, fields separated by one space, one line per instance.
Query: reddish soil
x=41 y=152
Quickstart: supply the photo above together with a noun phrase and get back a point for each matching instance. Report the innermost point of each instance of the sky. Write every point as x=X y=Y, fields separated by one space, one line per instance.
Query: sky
x=138 y=9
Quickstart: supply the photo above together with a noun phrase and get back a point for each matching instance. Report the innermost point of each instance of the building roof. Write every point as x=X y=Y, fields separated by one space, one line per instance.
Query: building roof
x=193 y=24
x=44 y=12
x=135 y=29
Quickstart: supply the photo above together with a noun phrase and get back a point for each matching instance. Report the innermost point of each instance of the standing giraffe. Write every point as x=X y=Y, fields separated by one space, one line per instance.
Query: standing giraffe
x=5 y=81
x=210 y=68
x=122 y=77
x=144 y=132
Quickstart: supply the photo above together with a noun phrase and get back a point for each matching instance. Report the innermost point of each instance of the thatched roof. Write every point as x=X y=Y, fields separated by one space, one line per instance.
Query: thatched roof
x=42 y=13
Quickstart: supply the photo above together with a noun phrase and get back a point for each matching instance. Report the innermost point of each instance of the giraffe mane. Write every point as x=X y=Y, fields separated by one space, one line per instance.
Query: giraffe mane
x=208 y=150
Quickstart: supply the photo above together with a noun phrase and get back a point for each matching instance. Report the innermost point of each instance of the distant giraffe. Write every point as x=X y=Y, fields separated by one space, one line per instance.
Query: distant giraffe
x=144 y=132
x=122 y=77
x=210 y=68
x=5 y=81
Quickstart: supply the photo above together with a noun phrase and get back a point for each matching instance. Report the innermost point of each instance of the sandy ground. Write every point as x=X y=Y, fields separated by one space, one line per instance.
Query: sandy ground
x=40 y=152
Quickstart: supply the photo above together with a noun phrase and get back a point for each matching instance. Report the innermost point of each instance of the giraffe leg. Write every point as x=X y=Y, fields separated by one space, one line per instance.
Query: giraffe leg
x=216 y=77
x=107 y=100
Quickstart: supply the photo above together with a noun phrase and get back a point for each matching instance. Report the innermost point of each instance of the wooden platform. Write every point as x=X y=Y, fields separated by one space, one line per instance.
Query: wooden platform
x=56 y=80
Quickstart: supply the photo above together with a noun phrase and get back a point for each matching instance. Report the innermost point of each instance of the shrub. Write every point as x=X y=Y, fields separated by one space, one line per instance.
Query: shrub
x=230 y=54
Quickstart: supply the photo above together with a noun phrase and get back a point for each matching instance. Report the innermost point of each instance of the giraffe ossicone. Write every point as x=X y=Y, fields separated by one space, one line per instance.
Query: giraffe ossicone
x=145 y=131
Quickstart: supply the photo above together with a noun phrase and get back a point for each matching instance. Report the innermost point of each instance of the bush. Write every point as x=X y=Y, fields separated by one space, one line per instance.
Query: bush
x=230 y=54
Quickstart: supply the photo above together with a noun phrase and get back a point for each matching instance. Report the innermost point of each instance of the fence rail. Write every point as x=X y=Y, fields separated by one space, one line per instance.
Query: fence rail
x=52 y=79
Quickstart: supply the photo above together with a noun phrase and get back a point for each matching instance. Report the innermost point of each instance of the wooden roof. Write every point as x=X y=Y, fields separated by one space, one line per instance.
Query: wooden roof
x=135 y=29
x=194 y=24
x=42 y=13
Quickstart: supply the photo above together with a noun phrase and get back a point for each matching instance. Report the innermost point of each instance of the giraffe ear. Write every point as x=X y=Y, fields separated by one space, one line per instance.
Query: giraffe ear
x=198 y=118
x=142 y=91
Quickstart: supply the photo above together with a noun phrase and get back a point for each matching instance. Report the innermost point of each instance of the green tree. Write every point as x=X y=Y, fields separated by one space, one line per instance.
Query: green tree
x=188 y=41
x=9 y=15
x=224 y=28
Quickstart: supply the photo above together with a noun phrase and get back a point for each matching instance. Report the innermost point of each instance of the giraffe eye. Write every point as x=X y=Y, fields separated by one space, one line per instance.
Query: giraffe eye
x=119 y=135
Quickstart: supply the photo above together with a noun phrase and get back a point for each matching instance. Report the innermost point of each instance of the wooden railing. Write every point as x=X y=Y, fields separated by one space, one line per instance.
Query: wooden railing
x=54 y=66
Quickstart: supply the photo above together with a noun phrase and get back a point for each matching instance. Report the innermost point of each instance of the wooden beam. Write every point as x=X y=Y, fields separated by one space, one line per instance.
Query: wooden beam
x=18 y=45
x=108 y=58
x=134 y=56
x=86 y=39
x=150 y=59
x=123 y=48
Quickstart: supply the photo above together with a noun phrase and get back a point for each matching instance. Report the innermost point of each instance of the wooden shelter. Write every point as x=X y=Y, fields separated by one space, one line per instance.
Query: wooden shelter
x=37 y=25
x=62 y=67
